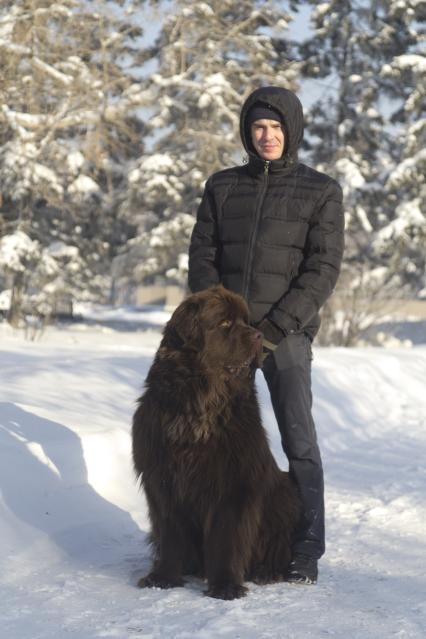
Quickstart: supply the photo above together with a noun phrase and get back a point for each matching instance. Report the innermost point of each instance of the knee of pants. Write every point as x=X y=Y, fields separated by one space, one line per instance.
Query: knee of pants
x=297 y=445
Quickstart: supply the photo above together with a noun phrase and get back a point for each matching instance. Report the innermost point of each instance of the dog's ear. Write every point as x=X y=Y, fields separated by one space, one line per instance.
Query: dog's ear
x=183 y=330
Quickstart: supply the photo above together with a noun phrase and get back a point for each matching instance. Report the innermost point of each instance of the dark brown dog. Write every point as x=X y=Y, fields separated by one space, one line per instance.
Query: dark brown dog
x=218 y=503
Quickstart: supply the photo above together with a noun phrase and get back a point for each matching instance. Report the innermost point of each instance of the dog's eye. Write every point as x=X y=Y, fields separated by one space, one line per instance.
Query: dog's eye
x=225 y=324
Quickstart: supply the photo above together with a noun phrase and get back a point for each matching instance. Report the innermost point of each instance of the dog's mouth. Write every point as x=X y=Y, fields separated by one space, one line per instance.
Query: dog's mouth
x=253 y=361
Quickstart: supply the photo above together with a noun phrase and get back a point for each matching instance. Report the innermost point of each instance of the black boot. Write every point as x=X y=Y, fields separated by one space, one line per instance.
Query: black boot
x=302 y=570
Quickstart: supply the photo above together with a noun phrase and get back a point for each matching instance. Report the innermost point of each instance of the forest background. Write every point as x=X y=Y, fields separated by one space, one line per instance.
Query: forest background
x=114 y=113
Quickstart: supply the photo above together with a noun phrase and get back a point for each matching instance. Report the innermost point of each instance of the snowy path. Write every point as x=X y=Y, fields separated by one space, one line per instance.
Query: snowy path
x=72 y=525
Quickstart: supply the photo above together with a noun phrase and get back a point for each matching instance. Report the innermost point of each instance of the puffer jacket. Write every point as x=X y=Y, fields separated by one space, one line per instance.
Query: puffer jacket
x=271 y=231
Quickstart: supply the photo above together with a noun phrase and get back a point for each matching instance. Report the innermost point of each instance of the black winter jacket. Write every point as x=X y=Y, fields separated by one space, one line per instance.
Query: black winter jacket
x=271 y=231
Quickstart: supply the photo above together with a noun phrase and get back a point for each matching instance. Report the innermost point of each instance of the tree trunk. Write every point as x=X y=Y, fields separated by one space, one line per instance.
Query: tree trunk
x=15 y=310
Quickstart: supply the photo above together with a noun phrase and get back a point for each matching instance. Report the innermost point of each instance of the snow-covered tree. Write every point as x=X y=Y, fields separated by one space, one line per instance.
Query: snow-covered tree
x=352 y=134
x=210 y=56
x=69 y=124
x=41 y=278
x=403 y=239
x=19 y=256
x=351 y=42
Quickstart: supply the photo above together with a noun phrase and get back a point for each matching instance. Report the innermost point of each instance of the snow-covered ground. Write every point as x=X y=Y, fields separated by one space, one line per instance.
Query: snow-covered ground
x=73 y=526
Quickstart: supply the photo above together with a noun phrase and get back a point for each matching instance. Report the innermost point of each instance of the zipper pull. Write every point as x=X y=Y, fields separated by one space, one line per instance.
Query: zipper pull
x=266 y=167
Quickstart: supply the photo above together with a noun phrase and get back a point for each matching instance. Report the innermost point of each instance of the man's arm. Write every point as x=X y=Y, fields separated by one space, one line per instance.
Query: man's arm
x=319 y=270
x=203 y=249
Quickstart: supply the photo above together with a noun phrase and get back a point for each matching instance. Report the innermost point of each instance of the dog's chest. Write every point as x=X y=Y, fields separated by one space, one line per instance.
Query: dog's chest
x=200 y=471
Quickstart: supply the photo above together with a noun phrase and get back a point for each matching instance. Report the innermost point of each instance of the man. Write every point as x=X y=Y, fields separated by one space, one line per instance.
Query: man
x=272 y=231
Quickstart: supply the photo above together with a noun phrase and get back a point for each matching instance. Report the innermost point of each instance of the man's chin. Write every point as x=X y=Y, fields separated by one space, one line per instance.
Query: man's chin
x=268 y=156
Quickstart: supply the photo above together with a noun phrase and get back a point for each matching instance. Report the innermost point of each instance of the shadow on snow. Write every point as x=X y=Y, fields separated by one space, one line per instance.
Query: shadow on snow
x=44 y=483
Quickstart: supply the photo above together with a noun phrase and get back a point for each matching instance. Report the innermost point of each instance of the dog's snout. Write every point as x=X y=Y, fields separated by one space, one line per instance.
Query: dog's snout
x=257 y=336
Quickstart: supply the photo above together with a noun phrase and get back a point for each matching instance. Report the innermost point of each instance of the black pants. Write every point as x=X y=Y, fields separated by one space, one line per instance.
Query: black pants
x=288 y=374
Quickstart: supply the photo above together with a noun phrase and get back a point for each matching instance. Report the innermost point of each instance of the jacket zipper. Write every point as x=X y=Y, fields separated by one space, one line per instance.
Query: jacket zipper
x=250 y=251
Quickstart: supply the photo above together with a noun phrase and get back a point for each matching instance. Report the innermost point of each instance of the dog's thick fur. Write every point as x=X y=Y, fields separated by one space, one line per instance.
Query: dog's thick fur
x=218 y=503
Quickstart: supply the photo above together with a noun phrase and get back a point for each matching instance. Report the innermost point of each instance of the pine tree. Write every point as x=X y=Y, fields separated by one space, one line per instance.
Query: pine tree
x=68 y=127
x=351 y=42
x=352 y=135
x=210 y=56
x=403 y=239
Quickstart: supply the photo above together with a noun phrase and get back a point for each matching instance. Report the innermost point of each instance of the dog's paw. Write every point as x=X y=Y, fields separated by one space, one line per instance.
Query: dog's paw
x=263 y=575
x=227 y=591
x=154 y=580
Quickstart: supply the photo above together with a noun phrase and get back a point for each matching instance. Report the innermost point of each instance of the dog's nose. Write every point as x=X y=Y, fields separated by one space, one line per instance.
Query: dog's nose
x=257 y=336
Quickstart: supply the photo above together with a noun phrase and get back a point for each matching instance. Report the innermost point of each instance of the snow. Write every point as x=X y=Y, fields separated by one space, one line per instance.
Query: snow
x=61 y=10
x=363 y=218
x=158 y=163
x=150 y=315
x=60 y=250
x=408 y=169
x=216 y=86
x=42 y=173
x=159 y=236
x=321 y=9
x=27 y=120
x=204 y=8
x=73 y=532
x=75 y=161
x=351 y=175
x=5 y=299
x=48 y=69
x=83 y=185
x=14 y=48
x=408 y=216
x=15 y=249
x=407 y=61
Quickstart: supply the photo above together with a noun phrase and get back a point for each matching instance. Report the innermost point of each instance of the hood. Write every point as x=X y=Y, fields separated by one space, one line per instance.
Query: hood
x=288 y=105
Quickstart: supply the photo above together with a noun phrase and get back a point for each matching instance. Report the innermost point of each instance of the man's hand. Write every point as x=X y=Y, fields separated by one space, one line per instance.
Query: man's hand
x=272 y=335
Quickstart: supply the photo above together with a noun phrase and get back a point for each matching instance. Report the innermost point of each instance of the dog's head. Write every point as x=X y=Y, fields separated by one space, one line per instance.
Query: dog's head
x=213 y=325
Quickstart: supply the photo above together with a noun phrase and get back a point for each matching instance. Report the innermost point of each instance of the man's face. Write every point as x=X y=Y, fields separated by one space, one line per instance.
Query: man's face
x=268 y=139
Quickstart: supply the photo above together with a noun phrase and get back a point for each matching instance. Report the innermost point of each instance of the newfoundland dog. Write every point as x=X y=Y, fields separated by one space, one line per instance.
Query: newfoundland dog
x=219 y=506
